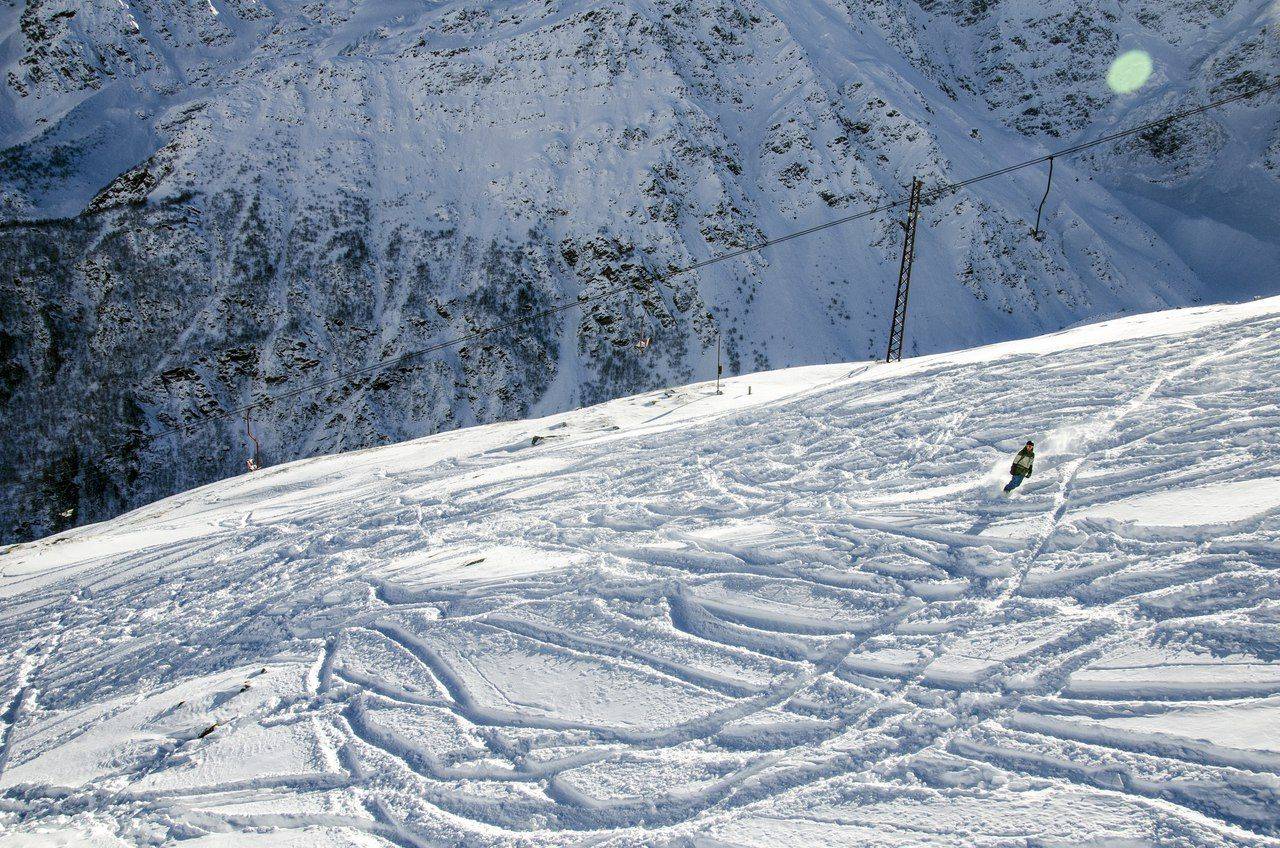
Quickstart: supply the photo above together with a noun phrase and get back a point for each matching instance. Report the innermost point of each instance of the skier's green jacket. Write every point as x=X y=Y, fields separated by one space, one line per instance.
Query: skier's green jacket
x=1022 y=463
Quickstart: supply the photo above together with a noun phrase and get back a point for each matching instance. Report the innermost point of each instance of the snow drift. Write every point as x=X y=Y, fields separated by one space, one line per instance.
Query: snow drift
x=798 y=613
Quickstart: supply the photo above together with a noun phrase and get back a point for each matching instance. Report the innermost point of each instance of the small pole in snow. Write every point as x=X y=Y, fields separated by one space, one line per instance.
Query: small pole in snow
x=719 y=369
x=252 y=462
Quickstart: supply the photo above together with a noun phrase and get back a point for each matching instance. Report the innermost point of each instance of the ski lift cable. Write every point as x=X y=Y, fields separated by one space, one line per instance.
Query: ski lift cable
x=928 y=196
x=1106 y=139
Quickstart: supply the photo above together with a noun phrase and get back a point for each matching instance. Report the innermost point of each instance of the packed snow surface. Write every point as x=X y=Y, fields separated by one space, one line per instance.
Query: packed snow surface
x=800 y=613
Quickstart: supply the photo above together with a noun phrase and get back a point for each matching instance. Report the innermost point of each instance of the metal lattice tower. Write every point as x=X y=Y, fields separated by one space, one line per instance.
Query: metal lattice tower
x=898 y=329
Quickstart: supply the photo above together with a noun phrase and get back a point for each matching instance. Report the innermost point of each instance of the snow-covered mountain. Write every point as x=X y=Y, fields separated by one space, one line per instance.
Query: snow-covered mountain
x=209 y=201
x=796 y=614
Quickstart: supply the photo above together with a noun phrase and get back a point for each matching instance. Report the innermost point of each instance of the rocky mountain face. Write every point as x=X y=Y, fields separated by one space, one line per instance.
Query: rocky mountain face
x=207 y=203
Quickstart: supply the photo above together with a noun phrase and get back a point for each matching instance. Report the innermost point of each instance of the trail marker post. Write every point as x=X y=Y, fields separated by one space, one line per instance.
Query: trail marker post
x=719 y=369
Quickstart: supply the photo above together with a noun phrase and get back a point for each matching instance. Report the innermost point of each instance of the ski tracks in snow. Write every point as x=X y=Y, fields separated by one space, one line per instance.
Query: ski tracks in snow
x=807 y=621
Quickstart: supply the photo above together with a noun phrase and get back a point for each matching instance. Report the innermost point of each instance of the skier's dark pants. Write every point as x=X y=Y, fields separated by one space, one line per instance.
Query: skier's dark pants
x=1014 y=483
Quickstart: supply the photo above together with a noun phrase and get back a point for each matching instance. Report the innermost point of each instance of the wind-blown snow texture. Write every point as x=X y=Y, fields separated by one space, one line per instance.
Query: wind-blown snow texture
x=206 y=201
x=798 y=614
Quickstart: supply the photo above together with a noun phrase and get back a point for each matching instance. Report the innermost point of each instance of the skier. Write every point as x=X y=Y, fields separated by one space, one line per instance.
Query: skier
x=1021 y=466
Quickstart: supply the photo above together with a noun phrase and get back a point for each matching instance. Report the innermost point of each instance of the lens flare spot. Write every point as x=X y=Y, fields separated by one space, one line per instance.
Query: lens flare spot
x=1129 y=72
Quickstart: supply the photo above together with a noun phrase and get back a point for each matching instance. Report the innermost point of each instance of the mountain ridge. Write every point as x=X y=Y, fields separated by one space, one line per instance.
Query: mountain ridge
x=308 y=189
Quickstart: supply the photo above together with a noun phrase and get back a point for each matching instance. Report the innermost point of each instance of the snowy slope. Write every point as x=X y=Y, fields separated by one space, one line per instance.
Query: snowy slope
x=203 y=202
x=797 y=614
